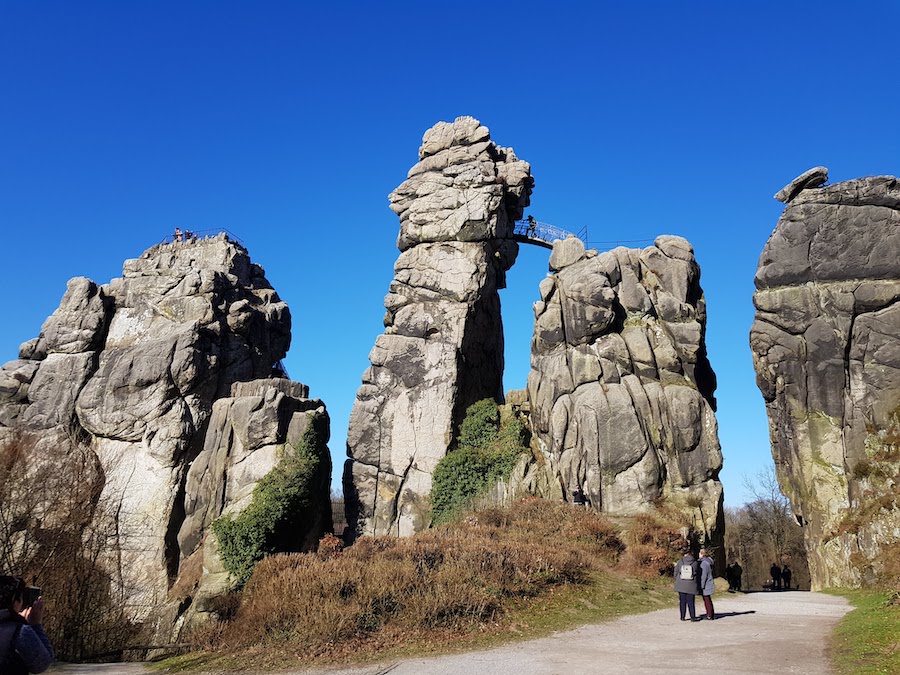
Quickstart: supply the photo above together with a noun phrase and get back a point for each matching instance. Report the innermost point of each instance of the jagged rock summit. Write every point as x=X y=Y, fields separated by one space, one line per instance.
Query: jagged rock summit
x=827 y=358
x=169 y=378
x=442 y=348
x=620 y=388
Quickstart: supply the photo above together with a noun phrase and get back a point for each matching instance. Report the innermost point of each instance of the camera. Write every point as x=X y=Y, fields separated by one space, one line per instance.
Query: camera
x=31 y=594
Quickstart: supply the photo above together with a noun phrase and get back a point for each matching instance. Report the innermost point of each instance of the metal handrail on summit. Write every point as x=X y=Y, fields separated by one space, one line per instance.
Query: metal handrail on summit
x=187 y=235
x=543 y=234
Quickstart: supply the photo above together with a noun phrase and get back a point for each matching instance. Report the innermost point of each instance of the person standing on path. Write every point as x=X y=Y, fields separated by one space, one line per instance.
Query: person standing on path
x=775 y=571
x=707 y=582
x=786 y=577
x=687 y=579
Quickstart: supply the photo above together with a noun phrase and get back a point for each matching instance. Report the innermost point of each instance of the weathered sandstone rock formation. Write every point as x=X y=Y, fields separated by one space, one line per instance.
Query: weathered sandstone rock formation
x=442 y=348
x=620 y=388
x=827 y=357
x=170 y=378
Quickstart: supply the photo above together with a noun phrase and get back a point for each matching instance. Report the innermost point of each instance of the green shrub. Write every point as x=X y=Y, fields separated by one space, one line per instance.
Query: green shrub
x=486 y=452
x=282 y=499
x=480 y=426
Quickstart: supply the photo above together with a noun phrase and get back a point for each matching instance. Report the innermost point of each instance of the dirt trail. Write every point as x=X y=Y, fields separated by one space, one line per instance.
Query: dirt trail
x=757 y=633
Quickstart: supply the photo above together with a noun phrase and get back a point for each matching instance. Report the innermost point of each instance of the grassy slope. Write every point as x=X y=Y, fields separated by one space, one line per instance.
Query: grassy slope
x=867 y=640
x=502 y=575
x=604 y=598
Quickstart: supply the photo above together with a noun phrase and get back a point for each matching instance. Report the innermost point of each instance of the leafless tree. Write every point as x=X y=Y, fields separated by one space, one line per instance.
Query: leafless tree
x=56 y=531
x=763 y=532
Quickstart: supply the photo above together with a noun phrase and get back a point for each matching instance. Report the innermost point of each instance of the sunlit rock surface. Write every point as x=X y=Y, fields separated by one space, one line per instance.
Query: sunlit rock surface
x=620 y=388
x=827 y=357
x=442 y=348
x=169 y=376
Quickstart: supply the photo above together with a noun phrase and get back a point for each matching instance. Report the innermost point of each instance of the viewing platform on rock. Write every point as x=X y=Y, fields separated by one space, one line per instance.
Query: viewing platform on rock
x=194 y=235
x=543 y=234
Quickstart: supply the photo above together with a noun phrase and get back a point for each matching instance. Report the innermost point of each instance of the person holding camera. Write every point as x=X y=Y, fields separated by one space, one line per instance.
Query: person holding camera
x=24 y=646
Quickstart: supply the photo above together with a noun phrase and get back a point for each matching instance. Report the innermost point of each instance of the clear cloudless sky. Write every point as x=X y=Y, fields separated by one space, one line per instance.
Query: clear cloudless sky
x=289 y=123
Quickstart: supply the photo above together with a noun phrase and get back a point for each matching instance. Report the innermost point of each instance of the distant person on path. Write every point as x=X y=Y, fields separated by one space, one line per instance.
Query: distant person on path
x=775 y=571
x=687 y=579
x=786 y=577
x=24 y=646
x=707 y=582
x=737 y=572
x=532 y=227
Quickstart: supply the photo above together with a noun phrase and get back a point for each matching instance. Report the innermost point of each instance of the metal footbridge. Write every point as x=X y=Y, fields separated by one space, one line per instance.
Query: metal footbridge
x=532 y=231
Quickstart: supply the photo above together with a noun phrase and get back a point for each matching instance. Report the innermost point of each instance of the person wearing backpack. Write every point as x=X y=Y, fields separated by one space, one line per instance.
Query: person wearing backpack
x=687 y=584
x=24 y=646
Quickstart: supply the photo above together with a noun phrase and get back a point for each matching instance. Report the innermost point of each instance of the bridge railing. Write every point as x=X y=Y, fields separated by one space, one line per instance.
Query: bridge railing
x=545 y=232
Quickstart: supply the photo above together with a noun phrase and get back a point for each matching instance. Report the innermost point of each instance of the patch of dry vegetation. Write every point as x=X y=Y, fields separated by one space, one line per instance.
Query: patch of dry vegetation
x=654 y=544
x=877 y=477
x=480 y=575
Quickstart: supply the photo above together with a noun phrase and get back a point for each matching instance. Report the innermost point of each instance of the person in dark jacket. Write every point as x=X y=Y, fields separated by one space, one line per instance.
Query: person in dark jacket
x=786 y=577
x=687 y=580
x=737 y=572
x=24 y=646
x=707 y=582
x=775 y=571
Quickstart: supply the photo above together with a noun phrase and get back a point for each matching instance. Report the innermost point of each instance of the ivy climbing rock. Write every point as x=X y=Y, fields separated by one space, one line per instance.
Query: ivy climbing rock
x=827 y=358
x=442 y=348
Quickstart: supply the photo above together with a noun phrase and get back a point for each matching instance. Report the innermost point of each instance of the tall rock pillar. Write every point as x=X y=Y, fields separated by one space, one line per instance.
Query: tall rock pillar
x=827 y=358
x=442 y=348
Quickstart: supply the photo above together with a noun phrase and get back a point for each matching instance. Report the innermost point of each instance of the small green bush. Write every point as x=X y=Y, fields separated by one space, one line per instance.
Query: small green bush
x=283 y=498
x=480 y=426
x=486 y=452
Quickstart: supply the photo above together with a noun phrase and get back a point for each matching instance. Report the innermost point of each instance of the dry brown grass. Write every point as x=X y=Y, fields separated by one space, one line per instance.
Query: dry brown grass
x=451 y=579
x=654 y=544
x=889 y=575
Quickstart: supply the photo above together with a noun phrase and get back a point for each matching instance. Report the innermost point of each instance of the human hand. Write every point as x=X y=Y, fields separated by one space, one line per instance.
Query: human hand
x=34 y=615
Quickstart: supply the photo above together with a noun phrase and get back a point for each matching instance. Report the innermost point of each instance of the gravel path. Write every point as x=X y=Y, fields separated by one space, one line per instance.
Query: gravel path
x=757 y=633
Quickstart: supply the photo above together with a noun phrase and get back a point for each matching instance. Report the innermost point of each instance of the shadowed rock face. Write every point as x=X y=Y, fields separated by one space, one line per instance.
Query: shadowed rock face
x=442 y=348
x=169 y=376
x=827 y=360
x=620 y=389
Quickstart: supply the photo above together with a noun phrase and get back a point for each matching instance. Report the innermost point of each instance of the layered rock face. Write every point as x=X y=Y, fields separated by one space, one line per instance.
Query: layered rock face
x=442 y=348
x=170 y=377
x=827 y=357
x=620 y=389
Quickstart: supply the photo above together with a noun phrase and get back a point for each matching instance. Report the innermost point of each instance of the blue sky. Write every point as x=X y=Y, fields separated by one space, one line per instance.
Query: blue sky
x=288 y=123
